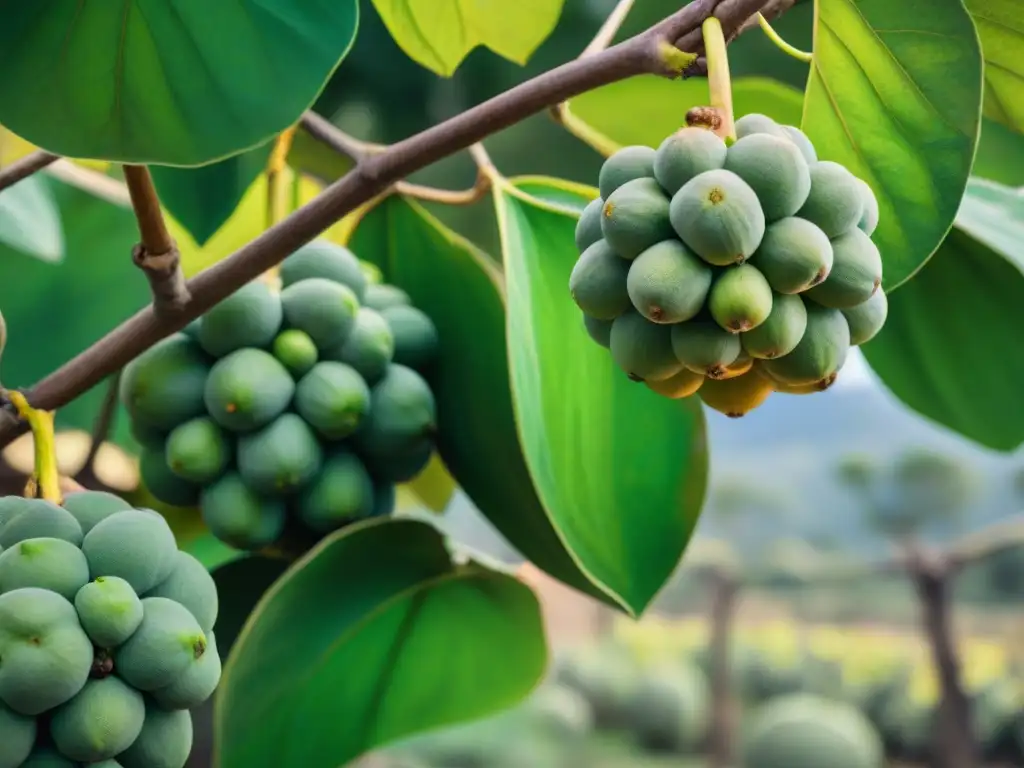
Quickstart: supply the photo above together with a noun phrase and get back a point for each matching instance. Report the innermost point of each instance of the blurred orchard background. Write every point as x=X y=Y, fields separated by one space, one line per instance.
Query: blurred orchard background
x=799 y=577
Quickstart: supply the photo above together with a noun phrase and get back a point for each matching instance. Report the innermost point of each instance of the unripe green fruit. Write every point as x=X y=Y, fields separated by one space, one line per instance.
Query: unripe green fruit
x=668 y=283
x=685 y=154
x=740 y=299
x=625 y=165
x=635 y=217
x=109 y=610
x=718 y=216
x=794 y=255
x=643 y=349
x=705 y=347
x=296 y=351
x=597 y=282
x=867 y=318
x=588 y=228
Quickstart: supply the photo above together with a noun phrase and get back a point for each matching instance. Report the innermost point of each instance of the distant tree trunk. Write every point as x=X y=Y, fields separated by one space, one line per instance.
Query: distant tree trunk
x=724 y=596
x=954 y=744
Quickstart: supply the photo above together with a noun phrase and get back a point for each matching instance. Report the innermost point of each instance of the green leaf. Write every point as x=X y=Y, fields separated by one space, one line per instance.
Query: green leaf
x=203 y=198
x=174 y=83
x=895 y=95
x=949 y=348
x=462 y=291
x=438 y=34
x=1000 y=25
x=30 y=221
x=1000 y=154
x=621 y=470
x=646 y=109
x=373 y=636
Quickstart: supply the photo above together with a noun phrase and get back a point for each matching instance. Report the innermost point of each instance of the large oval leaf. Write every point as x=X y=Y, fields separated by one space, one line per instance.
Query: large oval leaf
x=30 y=220
x=175 y=82
x=462 y=291
x=372 y=636
x=438 y=34
x=950 y=347
x=1000 y=26
x=621 y=470
x=895 y=95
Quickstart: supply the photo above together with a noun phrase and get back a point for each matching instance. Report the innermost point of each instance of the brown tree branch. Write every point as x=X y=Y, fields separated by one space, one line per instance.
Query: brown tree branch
x=644 y=53
x=157 y=255
x=25 y=167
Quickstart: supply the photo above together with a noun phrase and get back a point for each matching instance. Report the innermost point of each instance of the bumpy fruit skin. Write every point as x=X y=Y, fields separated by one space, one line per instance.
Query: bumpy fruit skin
x=161 y=481
x=45 y=757
x=588 y=228
x=100 y=722
x=687 y=153
x=164 y=742
x=821 y=352
x=369 y=348
x=803 y=143
x=403 y=414
x=109 y=610
x=757 y=123
x=740 y=299
x=779 y=334
x=682 y=384
x=17 y=735
x=718 y=216
x=166 y=643
x=775 y=169
x=36 y=518
x=599 y=330
x=196 y=685
x=333 y=398
x=247 y=390
x=239 y=516
x=867 y=318
x=323 y=309
x=635 y=217
x=342 y=493
x=856 y=272
x=326 y=260
x=136 y=545
x=90 y=507
x=382 y=296
x=296 y=351
x=704 y=347
x=794 y=255
x=869 y=218
x=597 y=282
x=835 y=203
x=281 y=458
x=52 y=564
x=627 y=164
x=668 y=283
x=643 y=349
x=198 y=450
x=737 y=396
x=250 y=317
x=164 y=385
x=417 y=341
x=191 y=585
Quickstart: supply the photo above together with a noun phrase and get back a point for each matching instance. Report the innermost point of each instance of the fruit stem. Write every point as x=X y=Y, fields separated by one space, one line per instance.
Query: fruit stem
x=781 y=44
x=45 y=476
x=719 y=82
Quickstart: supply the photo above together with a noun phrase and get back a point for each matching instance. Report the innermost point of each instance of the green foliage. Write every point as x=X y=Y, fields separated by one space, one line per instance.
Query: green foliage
x=379 y=653
x=1002 y=36
x=30 y=221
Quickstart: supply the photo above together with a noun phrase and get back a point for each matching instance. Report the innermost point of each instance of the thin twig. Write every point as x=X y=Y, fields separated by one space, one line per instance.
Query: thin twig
x=446 y=196
x=326 y=132
x=104 y=422
x=25 y=167
x=643 y=54
x=157 y=255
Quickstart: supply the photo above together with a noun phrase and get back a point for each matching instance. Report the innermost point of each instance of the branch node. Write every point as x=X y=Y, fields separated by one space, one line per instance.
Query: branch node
x=166 y=280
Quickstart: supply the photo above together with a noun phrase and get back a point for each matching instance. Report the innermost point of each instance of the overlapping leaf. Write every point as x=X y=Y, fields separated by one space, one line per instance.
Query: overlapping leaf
x=1000 y=25
x=30 y=220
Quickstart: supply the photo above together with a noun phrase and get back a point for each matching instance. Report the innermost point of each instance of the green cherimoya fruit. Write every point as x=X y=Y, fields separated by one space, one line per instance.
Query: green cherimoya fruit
x=806 y=731
x=198 y=450
x=341 y=493
x=635 y=217
x=47 y=757
x=704 y=347
x=776 y=171
x=402 y=466
x=588 y=228
x=856 y=272
x=247 y=390
x=45 y=656
x=323 y=309
x=90 y=507
x=196 y=685
x=109 y=610
x=100 y=722
x=296 y=351
x=799 y=138
x=250 y=317
x=37 y=518
x=416 y=338
x=17 y=735
x=794 y=255
x=280 y=458
x=164 y=742
x=146 y=436
x=867 y=318
x=10 y=507
x=52 y=564
x=598 y=330
x=191 y=585
x=136 y=545
x=627 y=164
x=160 y=481
x=718 y=216
x=239 y=516
x=736 y=396
x=740 y=299
x=167 y=642
x=328 y=261
x=402 y=413
x=164 y=385
x=668 y=283
x=597 y=282
x=333 y=398
x=643 y=349
x=682 y=384
x=779 y=334
x=687 y=153
x=369 y=347
x=820 y=353
x=835 y=203
x=757 y=123
x=383 y=296
x=869 y=218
